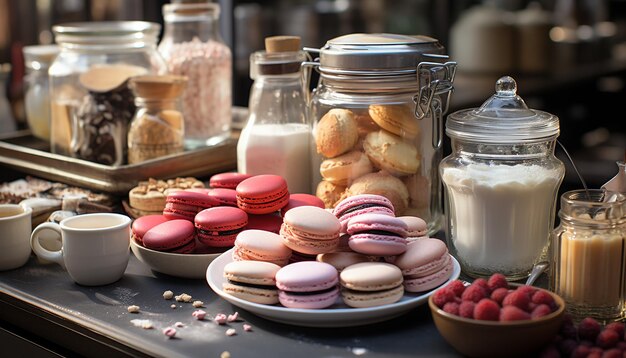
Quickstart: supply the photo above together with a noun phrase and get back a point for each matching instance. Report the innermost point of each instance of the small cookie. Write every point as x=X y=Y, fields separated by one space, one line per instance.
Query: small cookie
x=336 y=133
x=343 y=169
x=329 y=193
x=385 y=184
x=398 y=119
x=391 y=153
x=365 y=124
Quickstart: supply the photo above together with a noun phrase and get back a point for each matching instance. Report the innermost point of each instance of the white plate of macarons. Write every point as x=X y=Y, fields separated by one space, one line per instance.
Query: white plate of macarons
x=336 y=314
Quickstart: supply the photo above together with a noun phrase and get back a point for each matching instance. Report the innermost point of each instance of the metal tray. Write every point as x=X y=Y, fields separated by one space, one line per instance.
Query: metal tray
x=25 y=153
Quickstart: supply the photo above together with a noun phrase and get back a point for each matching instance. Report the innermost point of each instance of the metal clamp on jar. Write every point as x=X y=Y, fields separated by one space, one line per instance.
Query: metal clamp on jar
x=377 y=113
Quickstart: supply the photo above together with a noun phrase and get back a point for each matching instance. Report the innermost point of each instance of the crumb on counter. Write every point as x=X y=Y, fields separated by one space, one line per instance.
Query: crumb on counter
x=143 y=323
x=170 y=332
x=133 y=309
x=168 y=295
x=225 y=354
x=173 y=306
x=179 y=324
x=247 y=328
x=231 y=332
x=199 y=314
x=220 y=318
x=183 y=298
x=198 y=304
x=233 y=317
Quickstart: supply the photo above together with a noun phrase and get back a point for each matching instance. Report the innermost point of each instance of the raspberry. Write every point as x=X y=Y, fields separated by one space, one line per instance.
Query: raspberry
x=568 y=330
x=567 y=346
x=498 y=294
x=542 y=296
x=588 y=329
x=487 y=310
x=466 y=309
x=529 y=290
x=581 y=352
x=612 y=353
x=452 y=308
x=473 y=293
x=617 y=327
x=517 y=298
x=482 y=283
x=513 y=313
x=457 y=287
x=497 y=280
x=540 y=311
x=442 y=296
x=608 y=338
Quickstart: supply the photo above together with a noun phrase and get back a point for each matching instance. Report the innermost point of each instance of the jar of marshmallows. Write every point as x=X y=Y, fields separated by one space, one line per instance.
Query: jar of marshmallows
x=377 y=115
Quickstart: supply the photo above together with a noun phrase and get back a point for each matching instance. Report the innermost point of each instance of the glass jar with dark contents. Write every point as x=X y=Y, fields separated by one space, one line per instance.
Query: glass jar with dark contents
x=91 y=104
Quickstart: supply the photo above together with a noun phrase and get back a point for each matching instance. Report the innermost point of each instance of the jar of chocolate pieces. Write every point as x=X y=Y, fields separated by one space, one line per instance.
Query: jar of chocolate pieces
x=378 y=121
x=91 y=103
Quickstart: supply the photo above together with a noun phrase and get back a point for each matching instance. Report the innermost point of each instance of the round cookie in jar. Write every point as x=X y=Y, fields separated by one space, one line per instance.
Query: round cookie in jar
x=377 y=114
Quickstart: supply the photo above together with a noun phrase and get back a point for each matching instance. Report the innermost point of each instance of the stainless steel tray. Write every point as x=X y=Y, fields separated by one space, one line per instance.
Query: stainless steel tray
x=25 y=153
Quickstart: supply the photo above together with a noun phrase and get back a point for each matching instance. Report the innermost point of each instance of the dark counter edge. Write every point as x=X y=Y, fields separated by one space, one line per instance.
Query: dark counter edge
x=56 y=333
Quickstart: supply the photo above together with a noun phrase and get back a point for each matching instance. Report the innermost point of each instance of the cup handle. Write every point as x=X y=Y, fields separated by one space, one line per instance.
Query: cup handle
x=40 y=251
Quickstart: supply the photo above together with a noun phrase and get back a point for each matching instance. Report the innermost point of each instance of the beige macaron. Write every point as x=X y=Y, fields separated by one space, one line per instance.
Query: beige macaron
x=389 y=152
x=336 y=133
x=371 y=284
x=341 y=260
x=330 y=193
x=385 y=184
x=343 y=169
x=365 y=124
x=398 y=119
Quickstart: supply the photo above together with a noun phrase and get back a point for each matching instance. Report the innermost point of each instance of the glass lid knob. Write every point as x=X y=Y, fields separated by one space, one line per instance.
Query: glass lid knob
x=506 y=87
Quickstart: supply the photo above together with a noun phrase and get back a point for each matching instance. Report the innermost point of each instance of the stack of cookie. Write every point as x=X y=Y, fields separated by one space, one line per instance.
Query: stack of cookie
x=148 y=197
x=372 y=151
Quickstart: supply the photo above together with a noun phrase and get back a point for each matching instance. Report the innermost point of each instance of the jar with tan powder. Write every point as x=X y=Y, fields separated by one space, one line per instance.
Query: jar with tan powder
x=158 y=127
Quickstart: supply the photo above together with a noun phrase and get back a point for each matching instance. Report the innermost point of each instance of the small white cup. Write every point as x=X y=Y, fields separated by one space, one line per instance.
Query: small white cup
x=15 y=226
x=95 y=247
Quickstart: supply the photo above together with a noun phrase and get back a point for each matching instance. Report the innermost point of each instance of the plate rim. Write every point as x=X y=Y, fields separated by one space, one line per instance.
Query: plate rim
x=271 y=311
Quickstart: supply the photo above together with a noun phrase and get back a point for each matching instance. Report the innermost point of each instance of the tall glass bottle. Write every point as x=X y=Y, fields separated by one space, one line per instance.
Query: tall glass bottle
x=277 y=136
x=192 y=47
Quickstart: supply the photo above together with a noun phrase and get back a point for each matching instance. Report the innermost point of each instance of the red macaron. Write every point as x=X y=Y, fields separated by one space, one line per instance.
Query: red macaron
x=227 y=180
x=296 y=200
x=262 y=194
x=226 y=197
x=219 y=226
x=143 y=224
x=173 y=236
x=185 y=204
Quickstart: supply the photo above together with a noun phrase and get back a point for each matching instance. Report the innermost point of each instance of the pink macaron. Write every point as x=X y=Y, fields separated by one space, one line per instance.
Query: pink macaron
x=377 y=234
x=143 y=224
x=259 y=245
x=219 y=226
x=426 y=264
x=417 y=227
x=267 y=222
x=176 y=236
x=185 y=204
x=296 y=200
x=262 y=194
x=228 y=180
x=356 y=205
x=227 y=197
x=310 y=230
x=308 y=285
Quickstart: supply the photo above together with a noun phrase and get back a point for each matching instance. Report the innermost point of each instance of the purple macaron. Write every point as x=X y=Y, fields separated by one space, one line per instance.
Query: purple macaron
x=356 y=205
x=377 y=234
x=307 y=284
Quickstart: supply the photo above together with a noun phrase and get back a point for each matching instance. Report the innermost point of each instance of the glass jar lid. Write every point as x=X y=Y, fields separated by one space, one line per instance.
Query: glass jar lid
x=381 y=54
x=39 y=57
x=106 y=33
x=503 y=118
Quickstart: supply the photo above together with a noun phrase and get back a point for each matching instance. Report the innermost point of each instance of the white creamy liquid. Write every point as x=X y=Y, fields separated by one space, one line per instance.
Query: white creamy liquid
x=500 y=216
x=280 y=149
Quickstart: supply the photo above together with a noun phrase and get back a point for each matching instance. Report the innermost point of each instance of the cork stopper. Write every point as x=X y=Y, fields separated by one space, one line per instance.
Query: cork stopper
x=275 y=44
x=158 y=87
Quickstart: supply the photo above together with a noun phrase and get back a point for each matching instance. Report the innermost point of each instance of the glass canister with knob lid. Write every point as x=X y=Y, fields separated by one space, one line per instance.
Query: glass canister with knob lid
x=501 y=183
x=91 y=104
x=377 y=114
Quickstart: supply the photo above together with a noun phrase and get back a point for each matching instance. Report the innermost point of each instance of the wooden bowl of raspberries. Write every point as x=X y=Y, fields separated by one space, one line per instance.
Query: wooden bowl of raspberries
x=494 y=318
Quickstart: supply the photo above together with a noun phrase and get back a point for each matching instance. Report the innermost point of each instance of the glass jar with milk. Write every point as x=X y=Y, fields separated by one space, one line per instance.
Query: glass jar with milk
x=276 y=138
x=501 y=184
x=588 y=254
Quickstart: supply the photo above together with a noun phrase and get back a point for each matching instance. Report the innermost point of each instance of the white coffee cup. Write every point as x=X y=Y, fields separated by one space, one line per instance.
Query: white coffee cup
x=15 y=226
x=95 y=247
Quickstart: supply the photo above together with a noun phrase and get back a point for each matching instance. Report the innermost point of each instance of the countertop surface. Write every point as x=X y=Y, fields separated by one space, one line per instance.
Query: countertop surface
x=94 y=321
